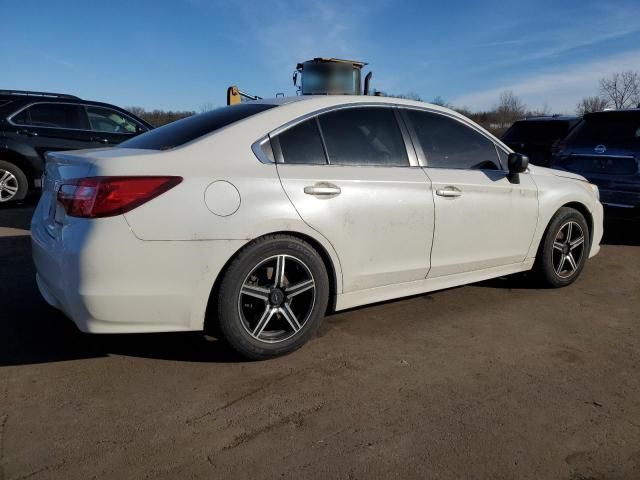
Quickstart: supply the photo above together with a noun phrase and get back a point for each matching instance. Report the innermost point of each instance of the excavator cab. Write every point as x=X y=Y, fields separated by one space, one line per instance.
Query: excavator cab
x=319 y=76
x=331 y=76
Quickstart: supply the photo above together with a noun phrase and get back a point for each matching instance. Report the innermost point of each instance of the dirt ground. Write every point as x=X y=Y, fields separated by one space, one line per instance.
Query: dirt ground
x=494 y=380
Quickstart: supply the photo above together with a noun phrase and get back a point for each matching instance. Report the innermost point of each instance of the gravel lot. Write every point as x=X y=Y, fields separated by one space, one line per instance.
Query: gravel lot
x=494 y=380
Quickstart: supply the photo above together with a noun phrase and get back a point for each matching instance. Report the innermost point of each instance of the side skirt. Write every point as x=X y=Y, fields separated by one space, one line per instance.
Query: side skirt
x=389 y=292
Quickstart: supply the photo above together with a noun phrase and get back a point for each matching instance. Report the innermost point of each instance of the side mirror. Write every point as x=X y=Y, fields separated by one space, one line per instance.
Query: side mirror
x=517 y=163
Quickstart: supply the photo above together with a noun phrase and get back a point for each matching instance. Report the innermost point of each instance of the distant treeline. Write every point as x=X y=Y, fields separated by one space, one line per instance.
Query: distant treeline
x=618 y=91
x=157 y=117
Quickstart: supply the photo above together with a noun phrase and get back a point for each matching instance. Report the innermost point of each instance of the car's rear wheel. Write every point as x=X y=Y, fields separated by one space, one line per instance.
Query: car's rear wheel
x=272 y=297
x=14 y=185
x=565 y=248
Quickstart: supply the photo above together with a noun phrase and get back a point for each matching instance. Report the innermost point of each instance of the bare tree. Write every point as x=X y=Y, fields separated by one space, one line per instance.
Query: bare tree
x=545 y=111
x=205 y=107
x=439 y=101
x=509 y=109
x=408 y=96
x=591 y=104
x=622 y=89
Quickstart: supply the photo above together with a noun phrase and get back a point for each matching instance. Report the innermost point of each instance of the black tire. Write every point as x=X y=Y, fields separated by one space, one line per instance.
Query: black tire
x=14 y=177
x=239 y=317
x=555 y=245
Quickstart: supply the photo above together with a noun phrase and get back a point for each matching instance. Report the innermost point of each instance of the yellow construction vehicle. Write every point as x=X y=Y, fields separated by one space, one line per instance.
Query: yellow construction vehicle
x=319 y=76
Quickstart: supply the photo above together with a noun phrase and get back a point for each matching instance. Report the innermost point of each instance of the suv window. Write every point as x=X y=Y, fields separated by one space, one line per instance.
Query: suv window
x=302 y=144
x=539 y=132
x=183 y=131
x=447 y=143
x=363 y=136
x=620 y=129
x=107 y=120
x=53 y=115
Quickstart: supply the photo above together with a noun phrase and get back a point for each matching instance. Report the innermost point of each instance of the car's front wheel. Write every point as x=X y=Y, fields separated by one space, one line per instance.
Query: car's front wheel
x=564 y=249
x=272 y=297
x=14 y=185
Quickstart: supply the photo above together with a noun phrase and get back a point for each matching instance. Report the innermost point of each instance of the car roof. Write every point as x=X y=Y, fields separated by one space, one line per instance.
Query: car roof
x=314 y=102
x=551 y=118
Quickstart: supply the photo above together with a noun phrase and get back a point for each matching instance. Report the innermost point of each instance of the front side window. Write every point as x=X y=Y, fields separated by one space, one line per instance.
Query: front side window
x=302 y=144
x=447 y=143
x=53 y=115
x=363 y=136
x=109 y=121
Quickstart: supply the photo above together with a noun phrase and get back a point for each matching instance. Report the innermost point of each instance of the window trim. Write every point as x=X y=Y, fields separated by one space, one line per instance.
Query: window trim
x=408 y=144
x=83 y=106
x=422 y=158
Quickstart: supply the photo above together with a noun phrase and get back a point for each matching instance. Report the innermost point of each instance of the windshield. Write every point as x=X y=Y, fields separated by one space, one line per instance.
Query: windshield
x=608 y=128
x=329 y=78
x=183 y=131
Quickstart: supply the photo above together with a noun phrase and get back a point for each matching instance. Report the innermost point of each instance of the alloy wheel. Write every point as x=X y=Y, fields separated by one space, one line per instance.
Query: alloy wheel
x=568 y=249
x=277 y=298
x=8 y=185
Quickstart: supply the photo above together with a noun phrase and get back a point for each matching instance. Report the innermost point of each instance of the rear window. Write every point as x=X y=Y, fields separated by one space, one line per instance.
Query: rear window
x=608 y=128
x=183 y=131
x=53 y=115
x=545 y=132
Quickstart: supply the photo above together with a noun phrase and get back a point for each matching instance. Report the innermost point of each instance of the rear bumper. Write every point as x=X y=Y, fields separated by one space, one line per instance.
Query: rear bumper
x=108 y=281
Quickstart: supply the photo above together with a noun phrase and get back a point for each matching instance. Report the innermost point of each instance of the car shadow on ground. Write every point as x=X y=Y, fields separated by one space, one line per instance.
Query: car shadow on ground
x=32 y=332
x=617 y=231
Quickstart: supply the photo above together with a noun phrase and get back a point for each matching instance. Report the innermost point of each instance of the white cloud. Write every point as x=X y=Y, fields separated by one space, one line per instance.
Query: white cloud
x=561 y=88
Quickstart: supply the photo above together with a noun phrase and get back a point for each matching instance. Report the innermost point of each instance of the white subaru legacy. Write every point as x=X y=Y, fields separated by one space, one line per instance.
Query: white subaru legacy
x=259 y=218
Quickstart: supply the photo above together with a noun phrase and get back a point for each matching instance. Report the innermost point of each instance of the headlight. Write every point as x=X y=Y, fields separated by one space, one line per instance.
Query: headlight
x=594 y=189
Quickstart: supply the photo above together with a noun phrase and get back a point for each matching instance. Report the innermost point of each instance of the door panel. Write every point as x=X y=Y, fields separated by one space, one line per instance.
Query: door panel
x=378 y=219
x=490 y=222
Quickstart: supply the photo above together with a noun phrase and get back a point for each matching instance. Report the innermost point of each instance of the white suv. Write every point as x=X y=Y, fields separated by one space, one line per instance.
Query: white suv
x=263 y=216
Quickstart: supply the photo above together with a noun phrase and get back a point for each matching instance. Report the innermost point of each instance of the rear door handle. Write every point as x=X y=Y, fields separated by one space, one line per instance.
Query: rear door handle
x=449 y=192
x=28 y=133
x=323 y=189
x=99 y=139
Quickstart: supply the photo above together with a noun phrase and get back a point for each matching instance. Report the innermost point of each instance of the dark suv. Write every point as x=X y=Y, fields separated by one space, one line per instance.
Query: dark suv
x=605 y=148
x=32 y=123
x=537 y=137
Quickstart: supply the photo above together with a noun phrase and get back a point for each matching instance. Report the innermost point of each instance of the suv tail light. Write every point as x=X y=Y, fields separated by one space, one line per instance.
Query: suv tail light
x=97 y=197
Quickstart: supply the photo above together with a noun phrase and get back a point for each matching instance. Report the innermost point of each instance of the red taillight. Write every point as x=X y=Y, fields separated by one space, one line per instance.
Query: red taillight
x=96 y=197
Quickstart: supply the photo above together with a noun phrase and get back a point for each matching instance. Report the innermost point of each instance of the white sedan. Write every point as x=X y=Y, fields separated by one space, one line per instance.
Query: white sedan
x=259 y=218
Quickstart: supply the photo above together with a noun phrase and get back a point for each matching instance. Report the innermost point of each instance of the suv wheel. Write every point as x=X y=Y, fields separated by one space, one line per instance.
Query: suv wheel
x=273 y=297
x=564 y=249
x=13 y=183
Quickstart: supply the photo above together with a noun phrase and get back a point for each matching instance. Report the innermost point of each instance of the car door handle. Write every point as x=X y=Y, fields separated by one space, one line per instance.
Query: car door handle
x=449 y=192
x=99 y=139
x=322 y=189
x=28 y=133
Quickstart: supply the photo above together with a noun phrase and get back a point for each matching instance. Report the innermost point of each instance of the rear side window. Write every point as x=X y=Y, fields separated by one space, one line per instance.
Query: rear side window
x=183 y=131
x=302 y=144
x=447 y=143
x=53 y=115
x=363 y=136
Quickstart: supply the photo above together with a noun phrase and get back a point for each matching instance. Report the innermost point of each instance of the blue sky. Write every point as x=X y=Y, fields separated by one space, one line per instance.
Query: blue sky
x=182 y=54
